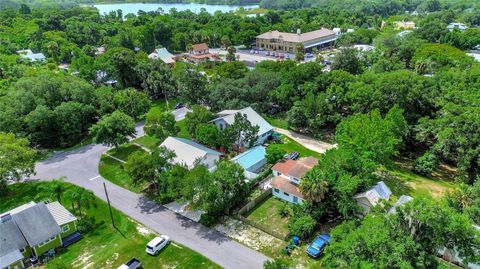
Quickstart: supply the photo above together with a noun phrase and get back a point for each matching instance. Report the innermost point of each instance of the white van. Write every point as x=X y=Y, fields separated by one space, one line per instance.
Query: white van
x=157 y=243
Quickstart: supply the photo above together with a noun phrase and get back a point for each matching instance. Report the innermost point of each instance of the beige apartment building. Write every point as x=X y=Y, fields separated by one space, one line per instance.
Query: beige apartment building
x=287 y=42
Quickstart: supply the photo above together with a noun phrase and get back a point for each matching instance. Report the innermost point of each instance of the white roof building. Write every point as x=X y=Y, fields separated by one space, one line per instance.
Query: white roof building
x=33 y=57
x=458 y=25
x=190 y=153
x=373 y=196
x=227 y=117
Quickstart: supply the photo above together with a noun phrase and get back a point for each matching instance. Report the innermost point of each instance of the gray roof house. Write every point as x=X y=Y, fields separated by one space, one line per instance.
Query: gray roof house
x=33 y=57
x=34 y=229
x=11 y=242
x=190 y=153
x=373 y=196
x=400 y=202
x=227 y=117
x=36 y=224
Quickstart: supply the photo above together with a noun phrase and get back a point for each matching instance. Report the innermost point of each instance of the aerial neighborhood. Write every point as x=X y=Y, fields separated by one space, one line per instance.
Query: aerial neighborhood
x=247 y=134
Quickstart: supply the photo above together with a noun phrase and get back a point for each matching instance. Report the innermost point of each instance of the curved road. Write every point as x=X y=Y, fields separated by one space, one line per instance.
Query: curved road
x=80 y=167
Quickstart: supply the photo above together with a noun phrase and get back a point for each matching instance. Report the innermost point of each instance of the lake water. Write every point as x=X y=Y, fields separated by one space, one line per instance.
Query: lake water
x=194 y=7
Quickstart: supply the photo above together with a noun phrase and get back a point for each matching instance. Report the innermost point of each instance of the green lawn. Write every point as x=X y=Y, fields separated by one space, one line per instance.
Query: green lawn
x=407 y=182
x=105 y=246
x=113 y=171
x=160 y=106
x=266 y=213
x=289 y=145
x=147 y=141
x=123 y=151
x=277 y=122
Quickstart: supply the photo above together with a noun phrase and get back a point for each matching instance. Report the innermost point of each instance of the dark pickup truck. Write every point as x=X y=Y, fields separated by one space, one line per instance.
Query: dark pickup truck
x=133 y=263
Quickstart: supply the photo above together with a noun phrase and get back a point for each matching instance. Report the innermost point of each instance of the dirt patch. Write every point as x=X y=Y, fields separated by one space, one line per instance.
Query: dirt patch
x=247 y=235
x=109 y=262
x=83 y=261
x=143 y=230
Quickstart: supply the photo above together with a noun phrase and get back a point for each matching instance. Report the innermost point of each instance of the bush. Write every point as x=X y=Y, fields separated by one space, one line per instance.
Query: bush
x=285 y=210
x=86 y=224
x=207 y=219
x=276 y=264
x=425 y=164
x=302 y=226
x=274 y=154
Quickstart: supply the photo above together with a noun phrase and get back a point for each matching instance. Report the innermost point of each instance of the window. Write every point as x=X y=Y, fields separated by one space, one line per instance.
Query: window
x=276 y=190
x=22 y=250
x=295 y=199
x=65 y=228
x=47 y=241
x=286 y=194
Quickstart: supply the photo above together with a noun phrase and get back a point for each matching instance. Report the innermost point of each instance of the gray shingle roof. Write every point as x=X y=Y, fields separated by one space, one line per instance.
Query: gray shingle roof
x=11 y=238
x=36 y=224
x=9 y=258
x=187 y=151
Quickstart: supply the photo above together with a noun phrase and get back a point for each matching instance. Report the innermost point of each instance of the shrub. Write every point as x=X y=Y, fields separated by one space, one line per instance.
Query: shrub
x=425 y=164
x=302 y=226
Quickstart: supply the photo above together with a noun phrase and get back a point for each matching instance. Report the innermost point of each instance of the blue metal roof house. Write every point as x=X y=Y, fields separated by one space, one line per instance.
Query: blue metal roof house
x=251 y=160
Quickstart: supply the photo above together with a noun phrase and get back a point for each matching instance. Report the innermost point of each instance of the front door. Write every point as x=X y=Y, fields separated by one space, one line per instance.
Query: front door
x=295 y=199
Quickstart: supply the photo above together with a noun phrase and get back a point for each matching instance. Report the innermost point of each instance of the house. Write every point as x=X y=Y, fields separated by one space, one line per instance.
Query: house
x=200 y=52
x=288 y=42
x=33 y=57
x=227 y=117
x=32 y=230
x=457 y=25
x=288 y=174
x=252 y=161
x=404 y=25
x=404 y=33
x=190 y=153
x=454 y=257
x=164 y=55
x=400 y=202
x=373 y=196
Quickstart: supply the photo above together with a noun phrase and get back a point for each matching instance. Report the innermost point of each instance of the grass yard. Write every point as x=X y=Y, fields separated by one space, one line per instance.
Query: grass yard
x=405 y=181
x=277 y=122
x=289 y=145
x=160 y=106
x=105 y=246
x=266 y=213
x=147 y=141
x=112 y=169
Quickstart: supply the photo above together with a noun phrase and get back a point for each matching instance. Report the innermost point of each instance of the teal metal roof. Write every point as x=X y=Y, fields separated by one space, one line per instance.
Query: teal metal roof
x=250 y=157
x=166 y=56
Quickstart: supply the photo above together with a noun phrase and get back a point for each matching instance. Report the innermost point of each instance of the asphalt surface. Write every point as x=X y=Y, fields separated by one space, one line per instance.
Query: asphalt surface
x=80 y=167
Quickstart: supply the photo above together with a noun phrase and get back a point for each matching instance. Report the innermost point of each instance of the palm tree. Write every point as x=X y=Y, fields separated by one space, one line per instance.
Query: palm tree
x=82 y=198
x=54 y=188
x=313 y=186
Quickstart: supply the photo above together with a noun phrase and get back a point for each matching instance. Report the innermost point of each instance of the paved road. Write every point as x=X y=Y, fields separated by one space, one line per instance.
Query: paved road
x=308 y=142
x=80 y=167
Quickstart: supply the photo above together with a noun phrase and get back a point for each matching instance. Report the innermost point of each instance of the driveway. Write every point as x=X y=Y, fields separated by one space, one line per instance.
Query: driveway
x=308 y=142
x=80 y=167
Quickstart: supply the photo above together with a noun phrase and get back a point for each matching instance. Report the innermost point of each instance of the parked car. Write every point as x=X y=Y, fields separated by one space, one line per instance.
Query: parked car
x=157 y=244
x=178 y=106
x=308 y=55
x=315 y=249
x=133 y=263
x=292 y=156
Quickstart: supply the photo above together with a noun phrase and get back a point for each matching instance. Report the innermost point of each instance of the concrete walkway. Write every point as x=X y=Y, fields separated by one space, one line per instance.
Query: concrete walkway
x=80 y=167
x=308 y=142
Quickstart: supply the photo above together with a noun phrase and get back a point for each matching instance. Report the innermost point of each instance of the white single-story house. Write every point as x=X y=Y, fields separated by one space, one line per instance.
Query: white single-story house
x=288 y=174
x=164 y=55
x=252 y=161
x=190 y=153
x=227 y=117
x=33 y=57
x=460 y=26
x=373 y=196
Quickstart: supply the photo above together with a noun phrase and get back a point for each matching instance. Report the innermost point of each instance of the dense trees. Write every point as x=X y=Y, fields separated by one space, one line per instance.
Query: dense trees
x=16 y=159
x=113 y=129
x=414 y=234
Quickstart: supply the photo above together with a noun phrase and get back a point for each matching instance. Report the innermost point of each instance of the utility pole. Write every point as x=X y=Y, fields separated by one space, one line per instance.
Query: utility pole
x=109 y=206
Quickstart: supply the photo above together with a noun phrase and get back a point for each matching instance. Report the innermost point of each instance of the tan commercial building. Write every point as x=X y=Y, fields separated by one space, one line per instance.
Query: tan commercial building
x=287 y=42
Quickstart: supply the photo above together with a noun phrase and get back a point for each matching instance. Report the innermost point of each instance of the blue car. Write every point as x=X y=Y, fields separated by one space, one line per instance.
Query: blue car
x=318 y=245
